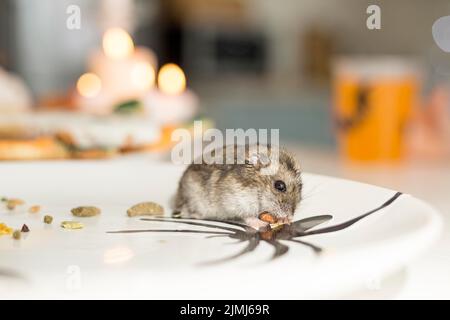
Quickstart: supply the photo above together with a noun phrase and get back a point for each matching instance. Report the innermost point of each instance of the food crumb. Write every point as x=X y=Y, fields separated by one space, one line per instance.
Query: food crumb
x=34 y=209
x=86 y=211
x=146 y=208
x=72 y=225
x=48 y=219
x=25 y=228
x=277 y=225
x=4 y=229
x=176 y=215
x=11 y=204
x=267 y=217
x=16 y=234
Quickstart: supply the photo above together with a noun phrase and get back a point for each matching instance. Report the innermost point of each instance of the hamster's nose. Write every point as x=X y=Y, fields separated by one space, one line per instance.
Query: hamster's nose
x=287 y=209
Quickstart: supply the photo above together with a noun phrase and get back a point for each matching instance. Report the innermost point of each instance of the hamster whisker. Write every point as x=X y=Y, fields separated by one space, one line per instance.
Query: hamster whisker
x=217 y=236
x=312 y=192
x=233 y=223
x=191 y=223
x=170 y=230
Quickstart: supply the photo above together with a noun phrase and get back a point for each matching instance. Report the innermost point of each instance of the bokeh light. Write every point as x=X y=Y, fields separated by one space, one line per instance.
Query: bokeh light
x=117 y=43
x=171 y=79
x=89 y=85
x=143 y=76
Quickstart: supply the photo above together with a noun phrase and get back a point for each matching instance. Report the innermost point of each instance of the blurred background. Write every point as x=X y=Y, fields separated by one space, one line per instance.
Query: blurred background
x=316 y=70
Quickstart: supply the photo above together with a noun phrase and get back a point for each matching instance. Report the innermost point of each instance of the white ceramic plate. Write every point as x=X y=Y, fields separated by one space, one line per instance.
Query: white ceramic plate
x=51 y=262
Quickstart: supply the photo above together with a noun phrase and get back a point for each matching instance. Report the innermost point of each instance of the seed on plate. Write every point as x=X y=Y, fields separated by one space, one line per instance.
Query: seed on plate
x=11 y=204
x=16 y=201
x=72 y=225
x=86 y=211
x=176 y=215
x=146 y=208
x=16 y=234
x=34 y=209
x=276 y=226
x=267 y=217
x=4 y=229
x=48 y=219
x=25 y=228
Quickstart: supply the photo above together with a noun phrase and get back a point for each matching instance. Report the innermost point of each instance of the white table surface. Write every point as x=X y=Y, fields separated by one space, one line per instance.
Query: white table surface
x=429 y=276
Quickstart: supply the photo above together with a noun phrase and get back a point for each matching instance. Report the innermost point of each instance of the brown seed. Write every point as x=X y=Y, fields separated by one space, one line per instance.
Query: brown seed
x=12 y=203
x=10 y=206
x=86 y=211
x=16 y=234
x=25 y=228
x=17 y=202
x=34 y=209
x=48 y=219
x=267 y=217
x=146 y=208
x=266 y=235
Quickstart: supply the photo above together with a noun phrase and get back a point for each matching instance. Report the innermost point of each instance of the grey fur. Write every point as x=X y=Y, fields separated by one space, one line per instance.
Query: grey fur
x=239 y=191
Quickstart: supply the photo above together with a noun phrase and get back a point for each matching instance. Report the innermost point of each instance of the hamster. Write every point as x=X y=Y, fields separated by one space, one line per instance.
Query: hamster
x=241 y=190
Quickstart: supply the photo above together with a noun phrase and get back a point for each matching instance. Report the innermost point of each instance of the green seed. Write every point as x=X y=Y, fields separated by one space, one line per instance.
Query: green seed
x=16 y=234
x=176 y=215
x=48 y=219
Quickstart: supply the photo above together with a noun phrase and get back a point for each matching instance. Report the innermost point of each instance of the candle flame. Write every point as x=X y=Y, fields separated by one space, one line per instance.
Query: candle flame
x=171 y=79
x=117 y=43
x=143 y=76
x=89 y=85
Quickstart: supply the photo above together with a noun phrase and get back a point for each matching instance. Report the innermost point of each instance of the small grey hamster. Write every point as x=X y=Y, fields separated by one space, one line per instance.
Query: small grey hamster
x=241 y=190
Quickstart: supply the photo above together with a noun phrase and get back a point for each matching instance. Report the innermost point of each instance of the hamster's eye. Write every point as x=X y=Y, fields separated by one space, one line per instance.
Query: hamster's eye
x=280 y=186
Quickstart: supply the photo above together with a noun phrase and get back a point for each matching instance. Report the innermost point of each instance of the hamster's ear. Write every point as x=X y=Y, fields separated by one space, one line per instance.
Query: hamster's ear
x=257 y=160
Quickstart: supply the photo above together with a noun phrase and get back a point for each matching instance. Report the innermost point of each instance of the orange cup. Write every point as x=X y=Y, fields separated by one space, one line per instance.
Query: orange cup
x=373 y=99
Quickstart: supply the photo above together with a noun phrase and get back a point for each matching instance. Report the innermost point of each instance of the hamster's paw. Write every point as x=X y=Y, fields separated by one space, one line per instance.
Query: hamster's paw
x=185 y=215
x=193 y=216
x=257 y=224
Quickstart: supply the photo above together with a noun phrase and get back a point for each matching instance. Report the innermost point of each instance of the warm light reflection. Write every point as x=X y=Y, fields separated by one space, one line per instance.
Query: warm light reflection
x=117 y=43
x=143 y=76
x=117 y=255
x=171 y=79
x=89 y=85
